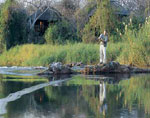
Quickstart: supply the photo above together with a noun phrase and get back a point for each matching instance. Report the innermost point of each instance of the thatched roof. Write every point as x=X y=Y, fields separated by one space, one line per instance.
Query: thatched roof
x=118 y=8
x=50 y=14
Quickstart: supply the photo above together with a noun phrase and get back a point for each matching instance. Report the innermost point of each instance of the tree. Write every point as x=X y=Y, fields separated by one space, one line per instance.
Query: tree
x=102 y=19
x=68 y=7
x=83 y=15
x=33 y=6
x=137 y=7
x=12 y=25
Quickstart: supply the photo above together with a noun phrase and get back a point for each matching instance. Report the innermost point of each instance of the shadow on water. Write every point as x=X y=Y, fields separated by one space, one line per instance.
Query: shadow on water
x=81 y=96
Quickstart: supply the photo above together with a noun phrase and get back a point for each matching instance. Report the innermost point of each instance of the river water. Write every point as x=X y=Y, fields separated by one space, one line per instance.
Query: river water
x=25 y=95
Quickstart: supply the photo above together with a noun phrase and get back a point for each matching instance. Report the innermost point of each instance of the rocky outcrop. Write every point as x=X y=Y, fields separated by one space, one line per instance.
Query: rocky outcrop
x=56 y=69
x=76 y=64
x=111 y=67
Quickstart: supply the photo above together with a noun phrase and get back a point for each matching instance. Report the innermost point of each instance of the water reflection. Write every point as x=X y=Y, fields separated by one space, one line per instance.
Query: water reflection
x=17 y=95
x=80 y=97
x=102 y=97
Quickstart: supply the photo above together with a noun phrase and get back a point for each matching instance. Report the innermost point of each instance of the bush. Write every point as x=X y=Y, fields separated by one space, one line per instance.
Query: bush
x=137 y=49
x=60 y=33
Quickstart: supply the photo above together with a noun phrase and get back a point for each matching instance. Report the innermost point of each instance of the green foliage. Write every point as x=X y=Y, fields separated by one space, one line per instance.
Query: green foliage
x=81 y=17
x=43 y=55
x=12 y=25
x=114 y=50
x=102 y=19
x=133 y=50
x=129 y=40
x=136 y=51
x=60 y=33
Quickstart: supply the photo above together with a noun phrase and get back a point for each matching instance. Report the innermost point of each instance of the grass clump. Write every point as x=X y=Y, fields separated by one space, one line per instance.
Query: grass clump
x=43 y=55
x=137 y=49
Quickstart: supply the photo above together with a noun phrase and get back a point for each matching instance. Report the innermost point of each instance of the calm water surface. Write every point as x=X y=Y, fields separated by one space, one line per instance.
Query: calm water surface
x=119 y=96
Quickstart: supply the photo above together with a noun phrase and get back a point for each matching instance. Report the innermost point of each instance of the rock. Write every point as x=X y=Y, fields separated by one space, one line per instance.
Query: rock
x=79 y=64
x=113 y=67
x=73 y=64
x=123 y=69
x=76 y=64
x=69 y=65
x=89 y=69
x=105 y=68
x=63 y=70
x=55 y=66
x=56 y=69
x=138 y=70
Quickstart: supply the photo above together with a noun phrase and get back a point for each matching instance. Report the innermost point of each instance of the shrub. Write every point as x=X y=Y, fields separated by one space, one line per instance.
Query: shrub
x=60 y=33
x=136 y=51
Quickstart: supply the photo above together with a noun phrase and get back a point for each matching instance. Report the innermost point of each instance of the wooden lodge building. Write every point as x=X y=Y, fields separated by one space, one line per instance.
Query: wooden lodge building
x=42 y=19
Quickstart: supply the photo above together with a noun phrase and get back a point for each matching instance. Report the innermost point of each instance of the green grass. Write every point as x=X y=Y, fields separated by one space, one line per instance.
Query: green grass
x=133 y=51
x=43 y=55
x=137 y=50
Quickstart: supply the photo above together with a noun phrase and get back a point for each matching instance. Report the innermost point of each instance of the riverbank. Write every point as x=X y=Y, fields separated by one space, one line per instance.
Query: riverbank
x=43 y=55
x=109 y=68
